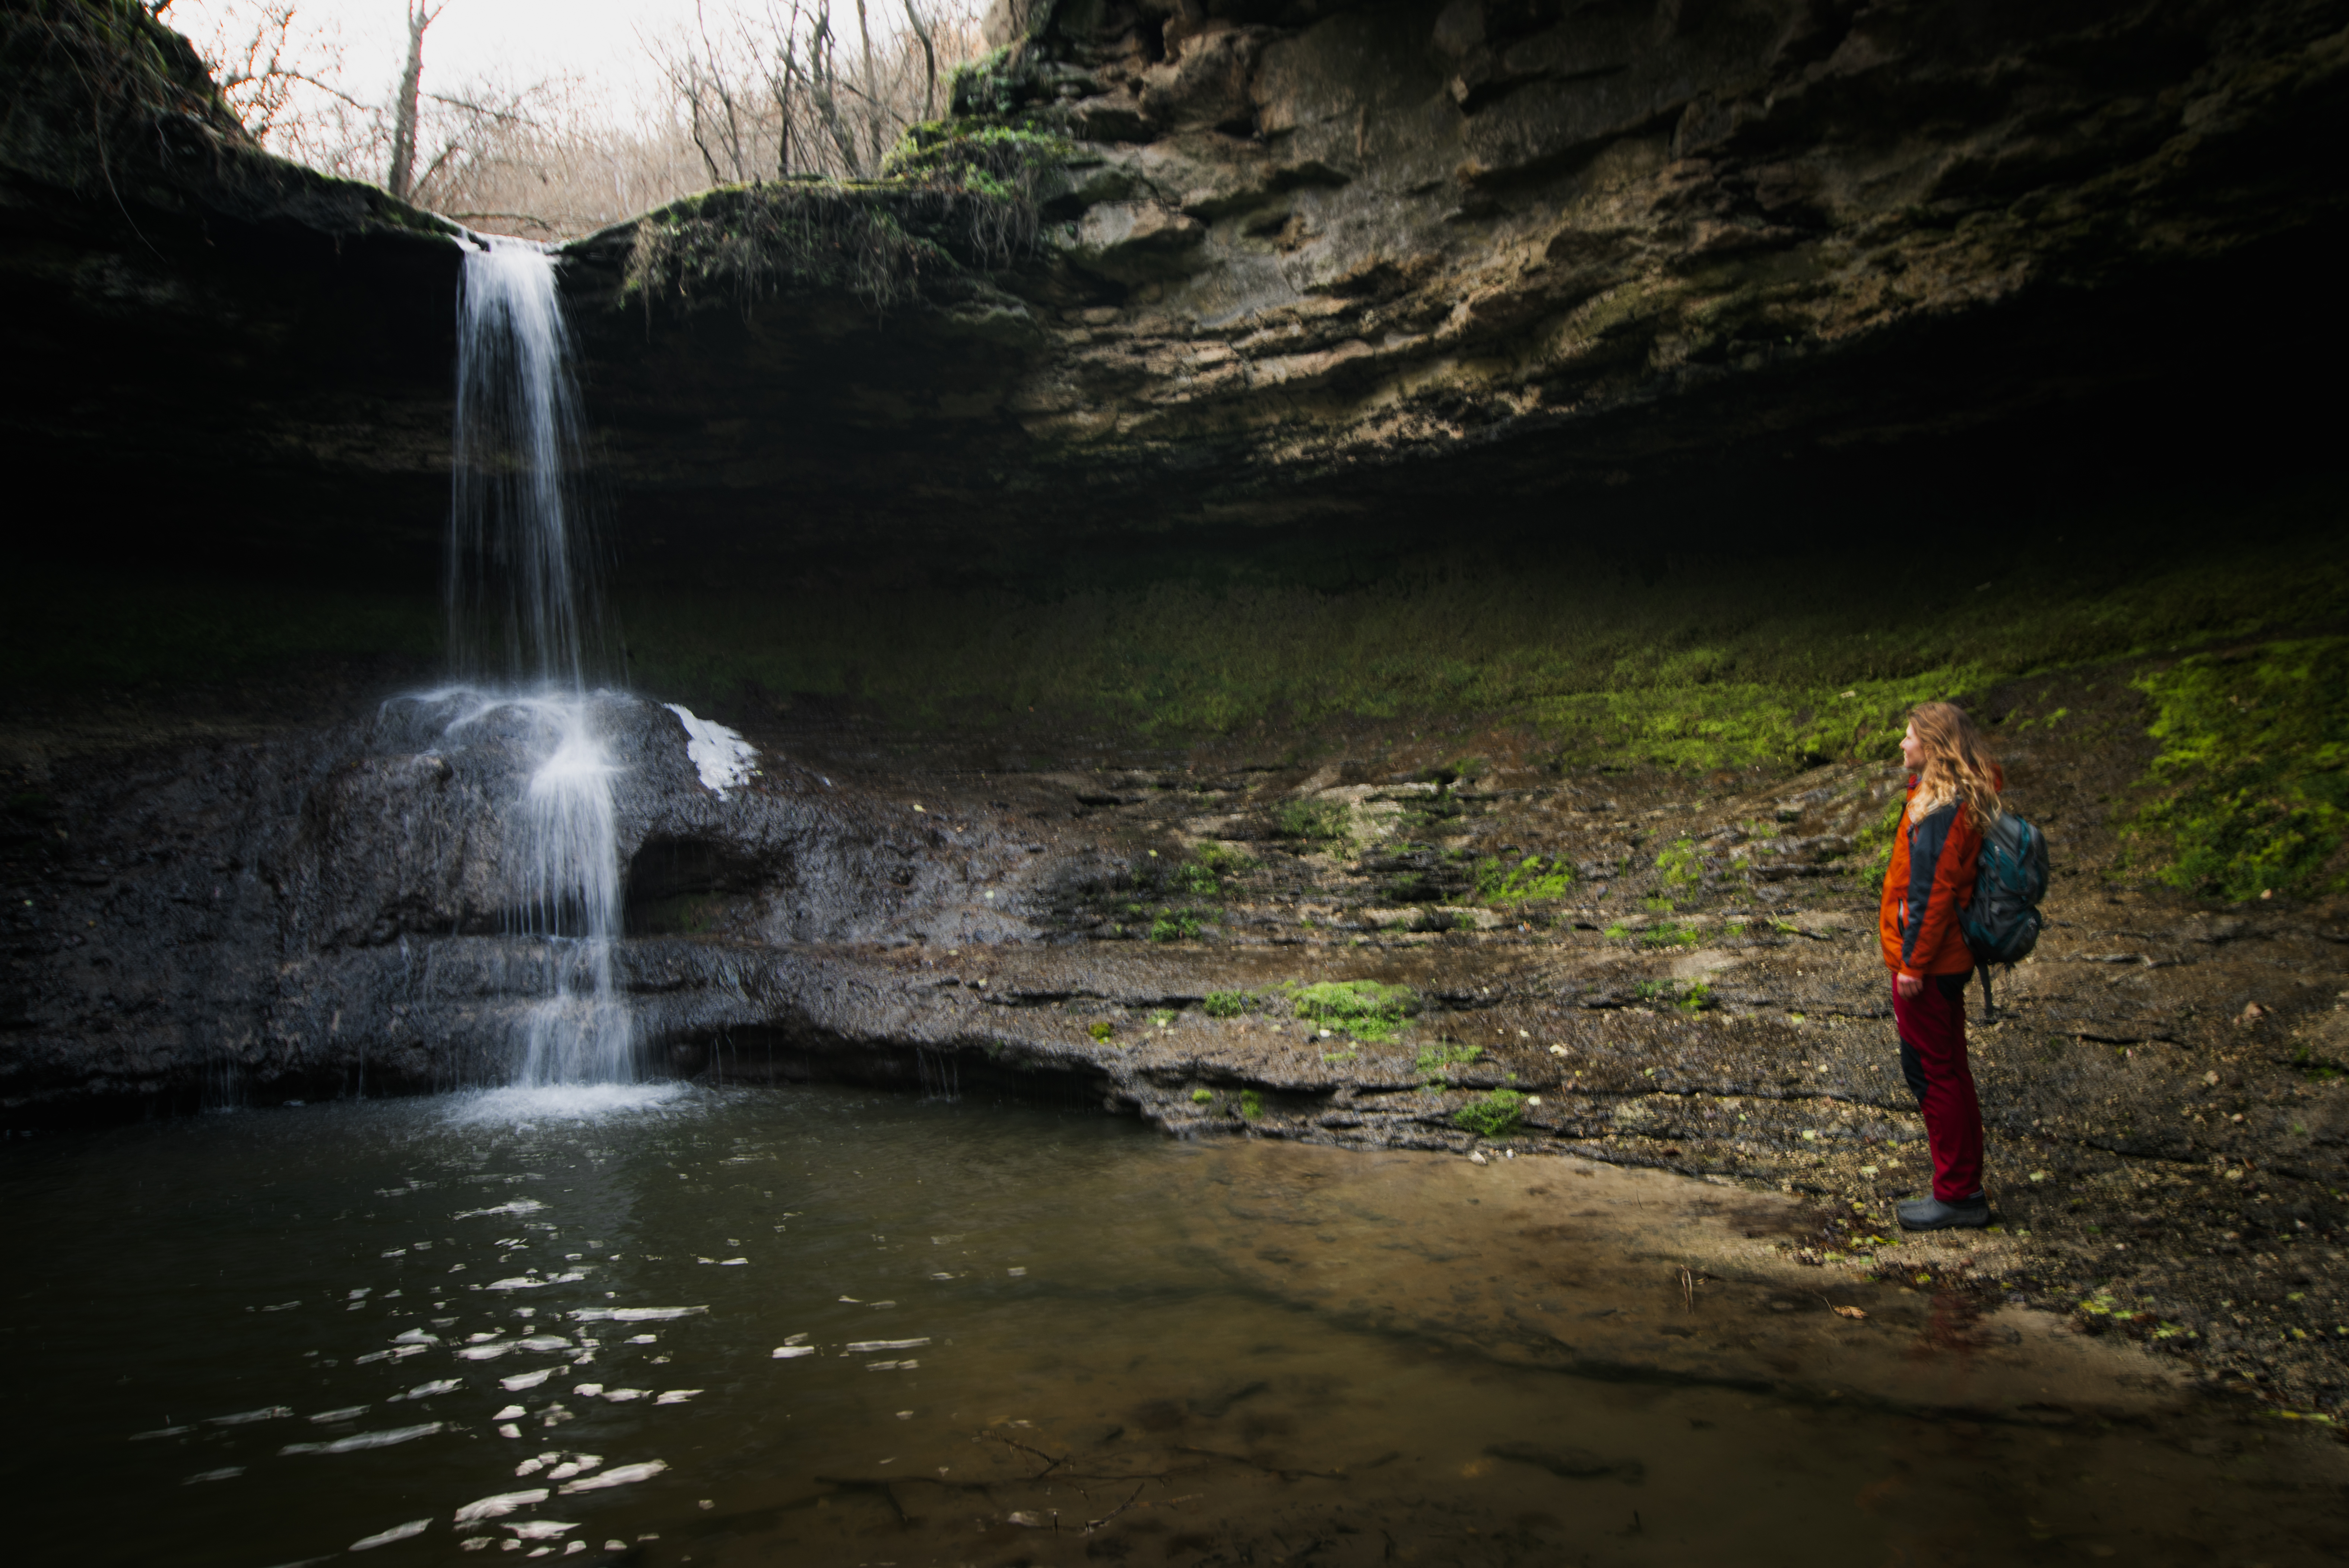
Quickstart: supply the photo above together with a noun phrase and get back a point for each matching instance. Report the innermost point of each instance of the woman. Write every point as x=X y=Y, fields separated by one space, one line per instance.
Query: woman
x=1953 y=799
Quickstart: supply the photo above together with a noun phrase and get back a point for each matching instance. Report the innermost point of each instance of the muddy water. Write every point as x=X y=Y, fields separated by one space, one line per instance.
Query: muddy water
x=818 y=1327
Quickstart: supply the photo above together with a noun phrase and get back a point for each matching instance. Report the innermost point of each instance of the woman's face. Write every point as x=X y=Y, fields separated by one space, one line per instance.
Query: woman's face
x=1912 y=749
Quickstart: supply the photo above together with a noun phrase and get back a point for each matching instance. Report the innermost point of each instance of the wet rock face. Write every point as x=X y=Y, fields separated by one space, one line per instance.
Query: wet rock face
x=1305 y=257
x=338 y=911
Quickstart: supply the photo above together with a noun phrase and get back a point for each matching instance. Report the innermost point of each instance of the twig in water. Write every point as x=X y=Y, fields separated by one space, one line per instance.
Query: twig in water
x=1688 y=1289
x=1093 y=1524
x=1051 y=1464
x=940 y=1482
x=1283 y=1473
x=851 y=1483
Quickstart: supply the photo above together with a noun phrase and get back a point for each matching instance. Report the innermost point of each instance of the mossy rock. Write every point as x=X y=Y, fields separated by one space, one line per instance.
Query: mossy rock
x=1365 y=1009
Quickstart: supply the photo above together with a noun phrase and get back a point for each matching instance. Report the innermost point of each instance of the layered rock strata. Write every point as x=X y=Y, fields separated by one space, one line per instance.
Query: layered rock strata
x=1343 y=260
x=1331 y=260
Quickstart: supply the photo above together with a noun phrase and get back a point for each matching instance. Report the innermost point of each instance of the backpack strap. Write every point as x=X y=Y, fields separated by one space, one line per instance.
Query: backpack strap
x=1990 y=1008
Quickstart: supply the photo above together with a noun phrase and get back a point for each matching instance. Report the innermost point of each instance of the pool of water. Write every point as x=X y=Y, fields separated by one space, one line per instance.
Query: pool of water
x=818 y=1327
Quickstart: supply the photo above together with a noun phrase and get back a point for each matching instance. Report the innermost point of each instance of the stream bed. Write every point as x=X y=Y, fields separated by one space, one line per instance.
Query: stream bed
x=818 y=1325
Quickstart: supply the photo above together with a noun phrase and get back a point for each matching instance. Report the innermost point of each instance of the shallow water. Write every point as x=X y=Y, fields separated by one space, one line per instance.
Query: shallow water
x=818 y=1325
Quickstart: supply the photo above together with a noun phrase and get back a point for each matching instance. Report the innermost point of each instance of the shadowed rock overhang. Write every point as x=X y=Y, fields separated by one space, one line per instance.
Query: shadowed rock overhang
x=1338 y=259
x=1185 y=266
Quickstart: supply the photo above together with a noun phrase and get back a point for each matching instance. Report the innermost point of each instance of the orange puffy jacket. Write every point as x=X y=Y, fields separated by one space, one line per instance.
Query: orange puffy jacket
x=1930 y=879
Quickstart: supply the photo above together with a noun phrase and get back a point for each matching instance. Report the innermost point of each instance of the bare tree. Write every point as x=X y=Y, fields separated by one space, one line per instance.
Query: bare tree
x=929 y=61
x=757 y=90
x=791 y=99
x=273 y=67
x=872 y=79
x=782 y=85
x=400 y=180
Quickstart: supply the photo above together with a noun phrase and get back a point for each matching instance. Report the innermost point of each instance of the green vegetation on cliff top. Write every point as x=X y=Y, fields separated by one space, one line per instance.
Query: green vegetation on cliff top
x=952 y=194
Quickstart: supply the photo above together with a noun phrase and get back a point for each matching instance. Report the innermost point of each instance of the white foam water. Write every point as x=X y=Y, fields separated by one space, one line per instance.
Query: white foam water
x=560 y=1102
x=720 y=755
x=523 y=610
x=579 y=1031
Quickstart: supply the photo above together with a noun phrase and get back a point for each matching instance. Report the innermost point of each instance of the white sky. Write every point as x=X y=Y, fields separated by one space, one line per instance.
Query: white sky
x=516 y=40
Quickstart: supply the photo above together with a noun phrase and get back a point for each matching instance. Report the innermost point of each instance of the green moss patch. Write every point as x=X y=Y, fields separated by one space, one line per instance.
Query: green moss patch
x=1313 y=821
x=1720 y=663
x=1528 y=880
x=1681 y=868
x=2250 y=790
x=1689 y=996
x=952 y=194
x=1434 y=1062
x=1210 y=871
x=1496 y=1115
x=1363 y=1008
x=1177 y=925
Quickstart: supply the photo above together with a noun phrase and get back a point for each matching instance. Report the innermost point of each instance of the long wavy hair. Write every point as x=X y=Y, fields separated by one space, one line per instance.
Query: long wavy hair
x=1957 y=765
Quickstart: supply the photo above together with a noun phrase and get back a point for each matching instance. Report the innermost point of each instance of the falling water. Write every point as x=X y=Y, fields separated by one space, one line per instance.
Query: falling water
x=523 y=606
x=524 y=620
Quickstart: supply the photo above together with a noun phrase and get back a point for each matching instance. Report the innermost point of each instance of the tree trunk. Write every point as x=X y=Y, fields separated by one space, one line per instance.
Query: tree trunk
x=780 y=84
x=400 y=180
x=929 y=63
x=871 y=89
x=824 y=63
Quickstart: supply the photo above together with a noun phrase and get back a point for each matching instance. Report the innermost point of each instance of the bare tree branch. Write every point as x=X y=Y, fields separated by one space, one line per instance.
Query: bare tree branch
x=439 y=163
x=763 y=91
x=504 y=115
x=802 y=103
x=533 y=222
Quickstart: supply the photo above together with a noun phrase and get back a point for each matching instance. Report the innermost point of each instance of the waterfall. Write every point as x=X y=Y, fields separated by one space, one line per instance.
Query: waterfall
x=525 y=623
x=523 y=605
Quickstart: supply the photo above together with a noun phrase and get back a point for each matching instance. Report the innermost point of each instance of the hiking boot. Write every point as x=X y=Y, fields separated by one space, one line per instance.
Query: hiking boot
x=1932 y=1214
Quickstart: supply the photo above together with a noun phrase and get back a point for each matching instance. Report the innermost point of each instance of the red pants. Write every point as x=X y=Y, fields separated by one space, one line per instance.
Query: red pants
x=1932 y=1026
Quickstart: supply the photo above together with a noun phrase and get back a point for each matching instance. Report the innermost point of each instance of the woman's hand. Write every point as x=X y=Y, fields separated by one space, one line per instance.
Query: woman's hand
x=1908 y=984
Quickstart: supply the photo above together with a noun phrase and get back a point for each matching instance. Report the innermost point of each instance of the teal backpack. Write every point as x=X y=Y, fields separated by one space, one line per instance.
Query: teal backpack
x=2002 y=924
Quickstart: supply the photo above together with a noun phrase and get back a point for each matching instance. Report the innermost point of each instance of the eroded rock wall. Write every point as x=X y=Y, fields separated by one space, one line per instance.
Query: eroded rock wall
x=343 y=910
x=1341 y=258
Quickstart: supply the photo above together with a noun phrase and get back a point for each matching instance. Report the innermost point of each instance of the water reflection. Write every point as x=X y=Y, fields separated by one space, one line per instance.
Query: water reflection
x=818 y=1327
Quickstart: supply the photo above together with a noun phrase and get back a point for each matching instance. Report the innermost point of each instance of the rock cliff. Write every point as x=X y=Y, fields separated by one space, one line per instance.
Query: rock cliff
x=1344 y=259
x=1185 y=265
x=213 y=344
